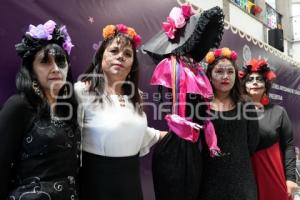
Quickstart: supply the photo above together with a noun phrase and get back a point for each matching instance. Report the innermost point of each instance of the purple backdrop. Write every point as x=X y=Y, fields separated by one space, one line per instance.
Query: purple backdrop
x=146 y=16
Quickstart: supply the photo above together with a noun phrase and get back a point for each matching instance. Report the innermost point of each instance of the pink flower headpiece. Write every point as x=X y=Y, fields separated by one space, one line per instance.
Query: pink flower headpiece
x=177 y=19
x=112 y=30
x=45 y=32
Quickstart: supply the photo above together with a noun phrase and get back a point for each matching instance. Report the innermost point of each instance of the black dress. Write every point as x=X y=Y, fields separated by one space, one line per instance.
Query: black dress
x=177 y=163
x=230 y=176
x=39 y=157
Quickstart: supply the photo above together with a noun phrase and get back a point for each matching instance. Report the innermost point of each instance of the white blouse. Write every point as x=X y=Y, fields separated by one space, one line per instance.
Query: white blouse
x=110 y=129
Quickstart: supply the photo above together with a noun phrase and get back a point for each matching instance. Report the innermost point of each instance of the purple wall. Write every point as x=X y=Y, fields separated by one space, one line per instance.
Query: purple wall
x=144 y=15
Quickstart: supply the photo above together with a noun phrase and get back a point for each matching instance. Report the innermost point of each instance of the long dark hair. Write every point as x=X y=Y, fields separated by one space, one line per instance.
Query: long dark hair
x=97 y=83
x=25 y=78
x=235 y=93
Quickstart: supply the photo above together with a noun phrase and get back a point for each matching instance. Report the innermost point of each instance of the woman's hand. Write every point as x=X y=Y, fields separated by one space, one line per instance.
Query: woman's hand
x=162 y=134
x=291 y=187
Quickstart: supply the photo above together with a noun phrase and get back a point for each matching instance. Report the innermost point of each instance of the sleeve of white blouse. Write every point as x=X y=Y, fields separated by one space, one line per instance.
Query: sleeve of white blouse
x=150 y=138
x=79 y=88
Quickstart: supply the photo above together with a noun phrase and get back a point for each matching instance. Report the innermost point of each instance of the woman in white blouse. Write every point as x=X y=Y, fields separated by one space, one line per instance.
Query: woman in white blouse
x=115 y=131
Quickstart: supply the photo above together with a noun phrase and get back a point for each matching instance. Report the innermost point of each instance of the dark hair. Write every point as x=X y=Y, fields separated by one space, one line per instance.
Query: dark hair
x=25 y=77
x=97 y=83
x=268 y=84
x=235 y=92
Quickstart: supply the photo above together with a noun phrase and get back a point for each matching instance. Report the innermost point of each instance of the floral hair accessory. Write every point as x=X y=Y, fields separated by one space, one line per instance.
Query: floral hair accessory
x=67 y=45
x=221 y=53
x=42 y=31
x=177 y=19
x=45 y=31
x=111 y=30
x=39 y=36
x=257 y=66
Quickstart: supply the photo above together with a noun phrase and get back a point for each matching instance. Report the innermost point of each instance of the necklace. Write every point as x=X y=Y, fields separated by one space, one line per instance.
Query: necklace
x=57 y=122
x=121 y=100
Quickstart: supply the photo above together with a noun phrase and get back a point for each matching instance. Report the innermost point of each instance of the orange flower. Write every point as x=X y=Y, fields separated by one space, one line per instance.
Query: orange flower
x=131 y=32
x=226 y=52
x=210 y=57
x=109 y=31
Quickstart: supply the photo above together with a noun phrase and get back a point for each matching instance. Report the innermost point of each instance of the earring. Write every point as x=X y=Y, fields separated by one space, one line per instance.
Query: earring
x=265 y=100
x=36 y=88
x=128 y=77
x=65 y=92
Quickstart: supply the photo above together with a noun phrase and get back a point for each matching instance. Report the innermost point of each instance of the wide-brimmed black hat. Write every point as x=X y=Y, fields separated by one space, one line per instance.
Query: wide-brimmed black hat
x=201 y=32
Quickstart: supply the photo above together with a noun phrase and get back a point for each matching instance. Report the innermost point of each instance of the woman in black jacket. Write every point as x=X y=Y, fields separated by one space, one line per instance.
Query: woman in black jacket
x=39 y=146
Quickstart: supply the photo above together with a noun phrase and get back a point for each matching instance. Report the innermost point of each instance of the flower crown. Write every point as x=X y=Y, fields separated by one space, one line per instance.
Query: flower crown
x=112 y=30
x=38 y=36
x=177 y=19
x=221 y=53
x=45 y=31
x=258 y=66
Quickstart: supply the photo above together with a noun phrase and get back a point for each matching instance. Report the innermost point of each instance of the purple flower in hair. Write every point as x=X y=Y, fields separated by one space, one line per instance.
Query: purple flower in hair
x=39 y=32
x=42 y=31
x=50 y=26
x=63 y=29
x=67 y=45
x=46 y=32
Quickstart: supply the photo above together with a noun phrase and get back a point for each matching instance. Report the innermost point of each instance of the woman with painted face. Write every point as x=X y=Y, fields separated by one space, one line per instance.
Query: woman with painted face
x=230 y=175
x=115 y=131
x=274 y=161
x=39 y=146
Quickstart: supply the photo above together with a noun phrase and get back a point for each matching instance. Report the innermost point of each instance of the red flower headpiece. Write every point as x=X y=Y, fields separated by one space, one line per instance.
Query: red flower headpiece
x=257 y=66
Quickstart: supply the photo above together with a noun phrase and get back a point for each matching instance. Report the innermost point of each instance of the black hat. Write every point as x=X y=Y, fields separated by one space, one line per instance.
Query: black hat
x=201 y=32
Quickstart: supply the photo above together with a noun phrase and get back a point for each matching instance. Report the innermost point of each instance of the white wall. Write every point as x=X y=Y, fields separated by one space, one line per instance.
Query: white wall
x=207 y=4
x=245 y=22
x=296 y=27
x=237 y=17
x=285 y=47
x=296 y=51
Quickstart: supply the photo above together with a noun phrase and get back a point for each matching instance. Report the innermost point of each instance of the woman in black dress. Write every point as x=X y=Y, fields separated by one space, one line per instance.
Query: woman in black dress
x=40 y=139
x=230 y=175
x=274 y=161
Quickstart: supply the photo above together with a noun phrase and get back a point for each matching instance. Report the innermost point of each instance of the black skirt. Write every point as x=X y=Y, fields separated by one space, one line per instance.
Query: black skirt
x=110 y=178
x=176 y=168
